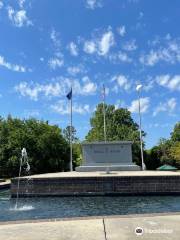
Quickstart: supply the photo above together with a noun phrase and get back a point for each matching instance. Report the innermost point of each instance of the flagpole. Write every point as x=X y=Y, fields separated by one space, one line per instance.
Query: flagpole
x=104 y=115
x=71 y=167
x=138 y=88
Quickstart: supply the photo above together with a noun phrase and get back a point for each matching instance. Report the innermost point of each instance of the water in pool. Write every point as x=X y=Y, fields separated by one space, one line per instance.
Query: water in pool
x=63 y=207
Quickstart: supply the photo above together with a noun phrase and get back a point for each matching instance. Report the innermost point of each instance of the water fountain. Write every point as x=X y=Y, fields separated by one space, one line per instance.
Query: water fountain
x=85 y=186
x=23 y=164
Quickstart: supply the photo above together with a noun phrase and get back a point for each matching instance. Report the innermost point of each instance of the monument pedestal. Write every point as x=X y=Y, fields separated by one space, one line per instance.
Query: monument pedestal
x=114 y=156
x=111 y=168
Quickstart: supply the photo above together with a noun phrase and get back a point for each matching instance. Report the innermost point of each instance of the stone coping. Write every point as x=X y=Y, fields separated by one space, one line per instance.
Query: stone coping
x=104 y=174
x=106 y=143
x=90 y=218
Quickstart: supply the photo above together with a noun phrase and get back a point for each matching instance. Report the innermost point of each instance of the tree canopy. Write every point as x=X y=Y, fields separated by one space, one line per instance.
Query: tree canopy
x=77 y=150
x=175 y=135
x=167 y=151
x=119 y=126
x=47 y=149
x=48 y=146
x=67 y=134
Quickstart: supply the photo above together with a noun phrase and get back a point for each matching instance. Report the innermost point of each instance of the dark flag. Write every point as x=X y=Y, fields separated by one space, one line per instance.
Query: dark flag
x=69 y=95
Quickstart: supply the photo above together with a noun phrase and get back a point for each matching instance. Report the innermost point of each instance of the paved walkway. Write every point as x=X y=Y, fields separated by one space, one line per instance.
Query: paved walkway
x=110 y=228
x=102 y=174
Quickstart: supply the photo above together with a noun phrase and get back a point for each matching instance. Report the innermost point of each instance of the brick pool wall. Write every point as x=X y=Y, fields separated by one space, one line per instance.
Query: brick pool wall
x=122 y=185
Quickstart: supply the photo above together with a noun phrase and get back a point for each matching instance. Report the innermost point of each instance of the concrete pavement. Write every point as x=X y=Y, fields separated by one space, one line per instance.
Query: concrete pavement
x=165 y=227
x=61 y=230
x=104 y=174
x=150 y=228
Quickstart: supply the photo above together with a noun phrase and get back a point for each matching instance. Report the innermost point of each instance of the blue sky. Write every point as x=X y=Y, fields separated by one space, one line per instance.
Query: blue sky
x=45 y=46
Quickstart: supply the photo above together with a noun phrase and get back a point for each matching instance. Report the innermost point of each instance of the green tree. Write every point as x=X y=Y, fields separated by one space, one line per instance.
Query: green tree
x=175 y=153
x=67 y=134
x=77 y=152
x=120 y=126
x=152 y=158
x=175 y=135
x=166 y=152
x=175 y=144
x=47 y=149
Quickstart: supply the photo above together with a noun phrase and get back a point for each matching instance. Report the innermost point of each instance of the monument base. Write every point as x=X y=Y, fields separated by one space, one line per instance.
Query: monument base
x=104 y=168
x=103 y=156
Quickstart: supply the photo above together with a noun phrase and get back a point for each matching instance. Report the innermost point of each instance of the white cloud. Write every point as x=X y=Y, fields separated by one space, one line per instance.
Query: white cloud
x=168 y=106
x=133 y=1
x=89 y=86
x=168 y=52
x=51 y=89
x=18 y=18
x=149 y=84
x=55 y=63
x=141 y=15
x=55 y=38
x=154 y=42
x=106 y=42
x=21 y=3
x=119 y=104
x=92 y=4
x=33 y=90
x=157 y=125
x=121 y=30
x=74 y=70
x=120 y=57
x=28 y=113
x=10 y=66
x=122 y=82
x=58 y=59
x=1 y=4
x=168 y=36
x=130 y=45
x=62 y=108
x=73 y=49
x=25 y=90
x=58 y=88
x=145 y=102
x=150 y=59
x=172 y=83
x=90 y=47
x=100 y=45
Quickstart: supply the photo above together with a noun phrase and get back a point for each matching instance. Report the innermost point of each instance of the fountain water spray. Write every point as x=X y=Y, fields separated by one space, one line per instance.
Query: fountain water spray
x=23 y=162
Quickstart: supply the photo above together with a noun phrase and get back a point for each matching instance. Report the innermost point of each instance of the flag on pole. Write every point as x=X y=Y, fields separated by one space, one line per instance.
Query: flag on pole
x=69 y=95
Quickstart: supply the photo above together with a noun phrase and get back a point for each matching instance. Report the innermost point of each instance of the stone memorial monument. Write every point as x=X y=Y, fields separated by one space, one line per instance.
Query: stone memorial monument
x=114 y=156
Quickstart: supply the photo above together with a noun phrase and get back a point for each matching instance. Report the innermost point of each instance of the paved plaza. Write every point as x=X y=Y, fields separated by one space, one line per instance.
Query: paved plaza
x=104 y=174
x=154 y=227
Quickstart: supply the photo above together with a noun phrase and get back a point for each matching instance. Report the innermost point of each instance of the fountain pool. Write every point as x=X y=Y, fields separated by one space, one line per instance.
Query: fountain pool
x=65 y=207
